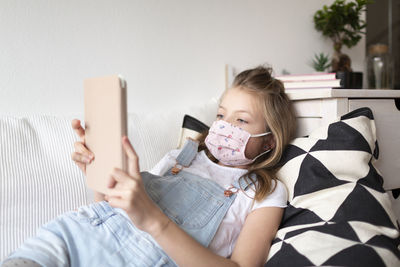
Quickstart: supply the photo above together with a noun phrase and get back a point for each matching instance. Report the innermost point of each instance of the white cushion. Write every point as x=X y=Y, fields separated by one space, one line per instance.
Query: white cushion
x=38 y=178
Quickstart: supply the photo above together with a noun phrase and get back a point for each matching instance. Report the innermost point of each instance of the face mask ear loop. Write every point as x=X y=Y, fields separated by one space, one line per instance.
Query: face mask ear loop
x=265 y=152
x=261 y=134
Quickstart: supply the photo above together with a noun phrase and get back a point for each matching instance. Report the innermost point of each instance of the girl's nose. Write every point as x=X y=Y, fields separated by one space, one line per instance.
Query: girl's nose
x=227 y=119
x=230 y=120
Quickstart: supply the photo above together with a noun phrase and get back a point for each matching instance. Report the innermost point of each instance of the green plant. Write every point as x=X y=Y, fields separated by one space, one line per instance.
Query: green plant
x=342 y=23
x=320 y=62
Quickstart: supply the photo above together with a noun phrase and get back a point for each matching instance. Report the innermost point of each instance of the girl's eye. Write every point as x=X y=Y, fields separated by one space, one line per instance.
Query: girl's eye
x=220 y=116
x=241 y=121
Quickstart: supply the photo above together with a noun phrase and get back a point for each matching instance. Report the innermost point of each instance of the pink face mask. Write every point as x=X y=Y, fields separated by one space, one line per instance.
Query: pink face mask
x=227 y=143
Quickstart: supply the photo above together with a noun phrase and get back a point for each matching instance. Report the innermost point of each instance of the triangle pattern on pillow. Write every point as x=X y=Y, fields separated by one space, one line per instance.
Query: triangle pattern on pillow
x=314 y=178
x=341 y=136
x=339 y=230
x=381 y=242
x=365 y=127
x=290 y=173
x=287 y=251
x=372 y=179
x=291 y=152
x=344 y=169
x=367 y=256
x=327 y=245
x=325 y=203
x=365 y=111
x=366 y=232
x=370 y=212
x=298 y=216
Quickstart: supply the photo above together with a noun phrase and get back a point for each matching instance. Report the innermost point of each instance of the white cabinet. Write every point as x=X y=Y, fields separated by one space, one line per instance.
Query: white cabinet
x=316 y=107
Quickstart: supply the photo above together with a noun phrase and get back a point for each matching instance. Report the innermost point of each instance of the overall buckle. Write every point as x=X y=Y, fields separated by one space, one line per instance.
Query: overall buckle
x=228 y=192
x=176 y=169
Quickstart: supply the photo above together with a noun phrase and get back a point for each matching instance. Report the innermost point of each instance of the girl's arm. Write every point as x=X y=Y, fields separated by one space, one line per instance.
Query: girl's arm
x=128 y=193
x=256 y=236
x=251 y=249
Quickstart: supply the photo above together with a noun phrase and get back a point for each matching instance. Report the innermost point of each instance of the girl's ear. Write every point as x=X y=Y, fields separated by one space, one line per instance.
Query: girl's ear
x=269 y=142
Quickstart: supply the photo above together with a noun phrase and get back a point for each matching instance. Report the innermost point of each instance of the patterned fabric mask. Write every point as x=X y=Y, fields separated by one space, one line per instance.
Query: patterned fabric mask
x=227 y=143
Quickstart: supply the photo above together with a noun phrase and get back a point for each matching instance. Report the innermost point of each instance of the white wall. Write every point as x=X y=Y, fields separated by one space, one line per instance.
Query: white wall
x=172 y=52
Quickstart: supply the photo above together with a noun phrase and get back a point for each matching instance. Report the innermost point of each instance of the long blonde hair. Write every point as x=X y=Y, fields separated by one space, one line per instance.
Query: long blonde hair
x=280 y=119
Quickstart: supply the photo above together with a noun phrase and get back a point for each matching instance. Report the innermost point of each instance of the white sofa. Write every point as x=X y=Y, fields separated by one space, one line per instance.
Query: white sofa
x=38 y=179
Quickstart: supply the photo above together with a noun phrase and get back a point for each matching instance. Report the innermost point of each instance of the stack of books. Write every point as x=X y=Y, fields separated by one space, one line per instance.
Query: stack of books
x=310 y=81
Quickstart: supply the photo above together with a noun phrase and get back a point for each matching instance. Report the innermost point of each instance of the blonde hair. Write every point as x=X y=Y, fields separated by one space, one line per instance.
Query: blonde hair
x=280 y=119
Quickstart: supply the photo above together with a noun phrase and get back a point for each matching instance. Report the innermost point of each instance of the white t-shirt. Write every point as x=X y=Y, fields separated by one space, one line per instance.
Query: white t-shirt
x=225 y=239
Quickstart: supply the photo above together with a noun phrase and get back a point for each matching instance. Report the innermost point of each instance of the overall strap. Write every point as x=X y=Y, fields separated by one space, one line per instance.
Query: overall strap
x=243 y=183
x=186 y=156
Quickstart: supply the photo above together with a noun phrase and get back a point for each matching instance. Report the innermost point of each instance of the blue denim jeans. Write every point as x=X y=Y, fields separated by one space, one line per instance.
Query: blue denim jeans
x=95 y=235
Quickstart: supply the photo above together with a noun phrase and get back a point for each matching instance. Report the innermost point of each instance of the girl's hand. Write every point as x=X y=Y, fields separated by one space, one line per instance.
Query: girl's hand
x=82 y=154
x=128 y=193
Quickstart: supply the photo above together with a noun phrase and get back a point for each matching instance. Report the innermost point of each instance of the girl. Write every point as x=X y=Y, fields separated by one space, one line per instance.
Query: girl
x=215 y=202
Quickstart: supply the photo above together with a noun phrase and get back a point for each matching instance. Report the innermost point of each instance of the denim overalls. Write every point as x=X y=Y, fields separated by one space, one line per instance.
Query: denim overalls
x=100 y=235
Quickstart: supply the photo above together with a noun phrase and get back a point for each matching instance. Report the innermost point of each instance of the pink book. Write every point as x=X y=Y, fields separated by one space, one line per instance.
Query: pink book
x=307 y=77
x=312 y=84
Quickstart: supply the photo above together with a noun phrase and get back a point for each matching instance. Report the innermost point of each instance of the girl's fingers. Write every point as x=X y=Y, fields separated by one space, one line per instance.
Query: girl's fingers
x=119 y=193
x=82 y=167
x=80 y=158
x=76 y=125
x=111 y=182
x=133 y=160
x=77 y=158
x=81 y=148
x=121 y=178
x=117 y=203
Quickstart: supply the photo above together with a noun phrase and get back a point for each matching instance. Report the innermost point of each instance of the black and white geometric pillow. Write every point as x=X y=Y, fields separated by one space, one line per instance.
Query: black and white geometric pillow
x=338 y=213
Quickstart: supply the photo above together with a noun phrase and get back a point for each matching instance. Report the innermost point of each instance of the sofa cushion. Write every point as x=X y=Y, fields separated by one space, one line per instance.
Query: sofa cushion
x=338 y=212
x=38 y=178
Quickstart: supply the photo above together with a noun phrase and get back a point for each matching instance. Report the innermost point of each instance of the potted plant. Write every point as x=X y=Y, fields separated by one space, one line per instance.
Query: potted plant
x=342 y=23
x=320 y=62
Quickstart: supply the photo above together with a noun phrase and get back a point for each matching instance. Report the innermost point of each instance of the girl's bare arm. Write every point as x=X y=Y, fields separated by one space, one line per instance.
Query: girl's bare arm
x=251 y=249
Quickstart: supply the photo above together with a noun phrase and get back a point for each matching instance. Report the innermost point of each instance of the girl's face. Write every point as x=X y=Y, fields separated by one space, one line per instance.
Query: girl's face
x=242 y=109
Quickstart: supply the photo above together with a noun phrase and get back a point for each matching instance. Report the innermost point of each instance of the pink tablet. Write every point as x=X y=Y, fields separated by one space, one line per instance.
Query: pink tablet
x=105 y=124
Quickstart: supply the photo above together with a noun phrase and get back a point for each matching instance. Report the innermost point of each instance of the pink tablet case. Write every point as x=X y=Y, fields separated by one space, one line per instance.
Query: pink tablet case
x=105 y=124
